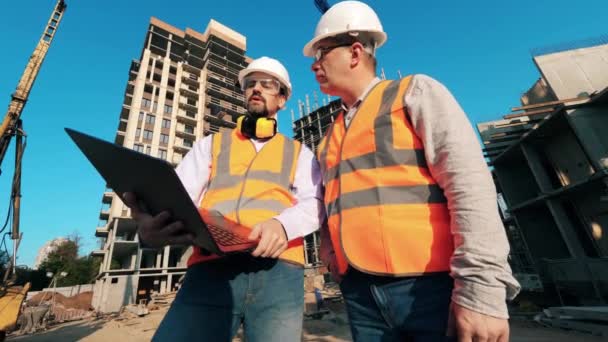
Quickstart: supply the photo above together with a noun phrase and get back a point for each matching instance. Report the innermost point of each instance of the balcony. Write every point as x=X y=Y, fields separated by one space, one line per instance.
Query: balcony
x=220 y=68
x=210 y=129
x=135 y=65
x=180 y=132
x=191 y=68
x=126 y=228
x=212 y=78
x=190 y=81
x=185 y=118
x=98 y=252
x=219 y=122
x=226 y=98
x=219 y=60
x=217 y=106
x=124 y=246
x=120 y=138
x=227 y=92
x=104 y=214
x=217 y=43
x=124 y=113
x=178 y=147
x=189 y=93
x=101 y=231
x=188 y=107
x=107 y=197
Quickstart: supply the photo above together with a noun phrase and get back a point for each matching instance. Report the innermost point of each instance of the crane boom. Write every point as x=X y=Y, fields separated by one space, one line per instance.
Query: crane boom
x=8 y=128
x=322 y=5
x=12 y=125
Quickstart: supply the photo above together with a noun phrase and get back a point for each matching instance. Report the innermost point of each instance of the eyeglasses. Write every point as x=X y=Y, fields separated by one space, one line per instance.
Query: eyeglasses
x=269 y=85
x=322 y=51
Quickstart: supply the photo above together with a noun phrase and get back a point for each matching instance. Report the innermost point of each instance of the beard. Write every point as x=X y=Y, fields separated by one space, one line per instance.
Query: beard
x=257 y=110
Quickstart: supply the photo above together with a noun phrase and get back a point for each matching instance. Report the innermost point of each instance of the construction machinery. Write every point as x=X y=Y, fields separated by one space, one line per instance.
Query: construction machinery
x=322 y=5
x=12 y=297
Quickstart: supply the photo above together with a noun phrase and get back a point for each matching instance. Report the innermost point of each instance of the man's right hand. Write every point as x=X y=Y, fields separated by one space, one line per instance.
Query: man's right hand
x=156 y=231
x=328 y=255
x=332 y=266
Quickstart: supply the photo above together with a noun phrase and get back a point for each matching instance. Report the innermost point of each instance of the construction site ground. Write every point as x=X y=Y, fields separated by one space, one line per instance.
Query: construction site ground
x=333 y=327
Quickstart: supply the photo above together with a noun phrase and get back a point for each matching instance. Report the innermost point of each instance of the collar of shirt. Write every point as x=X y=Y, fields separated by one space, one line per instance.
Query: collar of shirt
x=259 y=143
x=369 y=87
x=349 y=113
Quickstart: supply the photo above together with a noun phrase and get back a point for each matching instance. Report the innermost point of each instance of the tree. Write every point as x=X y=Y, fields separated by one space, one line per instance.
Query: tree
x=80 y=270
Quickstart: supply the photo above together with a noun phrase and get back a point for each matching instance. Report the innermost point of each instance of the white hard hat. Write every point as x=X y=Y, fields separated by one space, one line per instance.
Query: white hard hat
x=268 y=66
x=347 y=17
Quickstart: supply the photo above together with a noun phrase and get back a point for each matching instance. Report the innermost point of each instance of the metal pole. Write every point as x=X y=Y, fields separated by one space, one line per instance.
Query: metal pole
x=16 y=243
x=16 y=192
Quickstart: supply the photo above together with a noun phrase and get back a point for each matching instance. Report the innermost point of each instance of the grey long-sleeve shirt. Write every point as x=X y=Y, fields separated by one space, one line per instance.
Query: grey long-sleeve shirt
x=482 y=276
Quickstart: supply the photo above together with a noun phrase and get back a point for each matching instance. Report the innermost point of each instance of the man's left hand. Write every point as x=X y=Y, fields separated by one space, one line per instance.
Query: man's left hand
x=473 y=326
x=272 y=237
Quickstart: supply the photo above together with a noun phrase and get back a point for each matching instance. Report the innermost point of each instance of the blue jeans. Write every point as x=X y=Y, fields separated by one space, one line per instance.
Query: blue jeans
x=397 y=309
x=265 y=295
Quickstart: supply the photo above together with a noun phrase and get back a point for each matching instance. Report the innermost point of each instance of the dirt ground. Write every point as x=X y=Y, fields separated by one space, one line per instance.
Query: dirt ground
x=80 y=301
x=333 y=327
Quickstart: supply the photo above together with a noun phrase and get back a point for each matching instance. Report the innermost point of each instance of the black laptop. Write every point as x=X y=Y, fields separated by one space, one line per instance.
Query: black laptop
x=155 y=183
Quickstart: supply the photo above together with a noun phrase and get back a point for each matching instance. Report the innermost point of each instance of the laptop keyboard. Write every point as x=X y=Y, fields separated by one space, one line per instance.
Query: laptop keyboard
x=226 y=238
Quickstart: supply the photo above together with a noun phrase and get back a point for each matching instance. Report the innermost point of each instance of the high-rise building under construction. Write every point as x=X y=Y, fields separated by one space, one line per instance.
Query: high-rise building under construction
x=182 y=88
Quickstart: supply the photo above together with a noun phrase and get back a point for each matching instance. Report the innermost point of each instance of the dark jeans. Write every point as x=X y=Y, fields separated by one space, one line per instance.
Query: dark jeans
x=397 y=309
x=266 y=295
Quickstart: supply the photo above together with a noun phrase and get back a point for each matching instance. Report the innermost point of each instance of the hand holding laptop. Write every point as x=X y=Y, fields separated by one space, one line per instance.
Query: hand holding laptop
x=157 y=231
x=272 y=239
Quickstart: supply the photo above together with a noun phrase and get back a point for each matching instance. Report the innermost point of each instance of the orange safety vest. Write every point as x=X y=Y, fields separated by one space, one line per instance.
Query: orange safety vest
x=251 y=187
x=386 y=214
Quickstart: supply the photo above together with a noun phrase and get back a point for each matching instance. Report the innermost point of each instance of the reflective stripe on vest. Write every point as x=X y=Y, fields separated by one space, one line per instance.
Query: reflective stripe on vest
x=251 y=187
x=386 y=213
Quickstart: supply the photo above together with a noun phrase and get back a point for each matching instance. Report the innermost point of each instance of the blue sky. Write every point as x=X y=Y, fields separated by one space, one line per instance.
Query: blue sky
x=479 y=49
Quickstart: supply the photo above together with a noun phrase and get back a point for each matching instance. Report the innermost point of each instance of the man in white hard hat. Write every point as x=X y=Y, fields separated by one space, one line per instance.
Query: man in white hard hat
x=414 y=234
x=261 y=179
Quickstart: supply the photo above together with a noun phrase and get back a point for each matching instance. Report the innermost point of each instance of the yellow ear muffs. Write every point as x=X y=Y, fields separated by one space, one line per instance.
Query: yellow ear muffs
x=260 y=128
x=265 y=128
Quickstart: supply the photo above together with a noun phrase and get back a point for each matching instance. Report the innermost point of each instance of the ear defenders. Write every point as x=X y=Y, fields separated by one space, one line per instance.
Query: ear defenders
x=258 y=128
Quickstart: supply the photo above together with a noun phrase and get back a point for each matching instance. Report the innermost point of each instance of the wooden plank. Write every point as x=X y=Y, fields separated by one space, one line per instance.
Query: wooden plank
x=549 y=103
x=500 y=146
x=530 y=113
x=592 y=313
x=595 y=329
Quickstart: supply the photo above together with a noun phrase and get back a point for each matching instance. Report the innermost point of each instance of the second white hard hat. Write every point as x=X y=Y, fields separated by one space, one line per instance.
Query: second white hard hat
x=347 y=17
x=271 y=67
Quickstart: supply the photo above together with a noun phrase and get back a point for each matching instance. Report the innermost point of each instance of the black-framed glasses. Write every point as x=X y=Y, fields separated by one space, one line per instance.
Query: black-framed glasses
x=322 y=51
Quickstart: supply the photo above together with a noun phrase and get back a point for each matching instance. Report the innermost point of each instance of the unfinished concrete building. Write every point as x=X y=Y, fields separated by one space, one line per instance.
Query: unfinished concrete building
x=309 y=130
x=180 y=89
x=550 y=162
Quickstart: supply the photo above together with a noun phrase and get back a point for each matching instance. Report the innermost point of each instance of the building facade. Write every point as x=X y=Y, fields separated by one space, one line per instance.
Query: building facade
x=550 y=162
x=182 y=87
